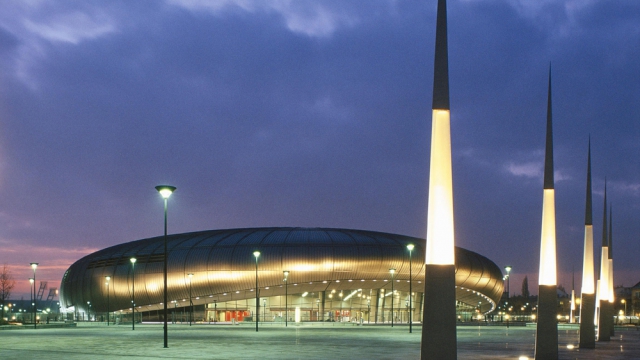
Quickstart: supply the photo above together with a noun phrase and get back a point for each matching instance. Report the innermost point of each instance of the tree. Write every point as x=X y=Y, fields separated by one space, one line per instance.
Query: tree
x=525 y=288
x=6 y=285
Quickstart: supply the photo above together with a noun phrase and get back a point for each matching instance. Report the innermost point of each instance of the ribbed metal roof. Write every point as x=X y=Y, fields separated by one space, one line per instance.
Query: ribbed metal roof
x=223 y=265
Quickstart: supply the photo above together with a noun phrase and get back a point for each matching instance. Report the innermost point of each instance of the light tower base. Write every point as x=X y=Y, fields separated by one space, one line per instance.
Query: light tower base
x=604 y=332
x=587 y=328
x=547 y=331
x=439 y=315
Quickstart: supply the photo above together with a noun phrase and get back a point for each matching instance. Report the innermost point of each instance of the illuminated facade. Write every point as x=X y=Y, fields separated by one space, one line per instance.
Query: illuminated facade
x=334 y=274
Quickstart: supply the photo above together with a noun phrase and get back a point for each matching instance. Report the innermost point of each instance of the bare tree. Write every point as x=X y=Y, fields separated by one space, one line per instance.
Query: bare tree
x=6 y=285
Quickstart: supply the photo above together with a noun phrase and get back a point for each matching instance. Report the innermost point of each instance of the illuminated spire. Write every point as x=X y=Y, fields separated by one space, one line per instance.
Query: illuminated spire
x=439 y=314
x=548 y=240
x=440 y=226
x=588 y=268
x=441 y=62
x=588 y=302
x=547 y=330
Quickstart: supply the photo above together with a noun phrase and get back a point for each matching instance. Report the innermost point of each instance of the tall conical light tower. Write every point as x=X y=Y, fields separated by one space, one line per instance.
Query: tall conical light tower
x=610 y=290
x=603 y=333
x=587 y=304
x=439 y=315
x=547 y=330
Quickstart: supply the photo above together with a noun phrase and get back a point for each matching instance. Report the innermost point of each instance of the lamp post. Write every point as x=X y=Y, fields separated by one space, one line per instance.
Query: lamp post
x=264 y=310
x=133 y=293
x=410 y=247
x=369 y=310
x=35 y=298
x=31 y=287
x=508 y=268
x=165 y=191
x=392 y=271
x=108 y=314
x=190 y=302
x=286 y=298
x=625 y=308
x=89 y=311
x=340 y=295
x=318 y=316
x=256 y=254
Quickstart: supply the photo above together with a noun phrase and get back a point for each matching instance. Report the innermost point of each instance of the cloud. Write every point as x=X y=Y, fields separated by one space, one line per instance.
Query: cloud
x=314 y=19
x=35 y=24
x=530 y=169
x=626 y=187
x=71 y=27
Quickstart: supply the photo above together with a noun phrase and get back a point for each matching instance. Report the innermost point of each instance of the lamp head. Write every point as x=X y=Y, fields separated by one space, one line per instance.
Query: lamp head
x=286 y=273
x=508 y=268
x=31 y=280
x=34 y=265
x=256 y=254
x=190 y=275
x=107 y=278
x=392 y=271
x=410 y=247
x=165 y=190
x=133 y=260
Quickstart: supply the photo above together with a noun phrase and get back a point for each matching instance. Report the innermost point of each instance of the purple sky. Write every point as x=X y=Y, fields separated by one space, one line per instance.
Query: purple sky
x=312 y=113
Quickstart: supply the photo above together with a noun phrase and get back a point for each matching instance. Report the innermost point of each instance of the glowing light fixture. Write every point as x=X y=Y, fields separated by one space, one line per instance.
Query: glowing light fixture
x=440 y=234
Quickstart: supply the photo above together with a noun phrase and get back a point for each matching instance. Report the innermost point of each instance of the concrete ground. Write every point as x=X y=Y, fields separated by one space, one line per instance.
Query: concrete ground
x=307 y=341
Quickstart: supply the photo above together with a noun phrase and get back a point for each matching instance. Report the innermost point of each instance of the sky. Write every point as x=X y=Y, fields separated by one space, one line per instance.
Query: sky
x=312 y=114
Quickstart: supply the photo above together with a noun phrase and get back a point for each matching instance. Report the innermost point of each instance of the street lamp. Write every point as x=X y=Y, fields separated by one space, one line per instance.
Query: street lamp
x=318 y=316
x=392 y=271
x=625 y=308
x=31 y=289
x=89 y=311
x=410 y=247
x=286 y=298
x=108 y=314
x=190 y=302
x=257 y=255
x=133 y=293
x=35 y=300
x=508 y=268
x=369 y=310
x=340 y=305
x=165 y=191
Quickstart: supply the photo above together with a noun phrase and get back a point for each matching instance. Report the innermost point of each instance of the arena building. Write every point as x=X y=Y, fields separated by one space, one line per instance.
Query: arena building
x=326 y=275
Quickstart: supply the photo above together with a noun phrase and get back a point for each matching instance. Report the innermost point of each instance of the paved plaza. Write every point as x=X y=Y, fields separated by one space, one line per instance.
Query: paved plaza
x=308 y=341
